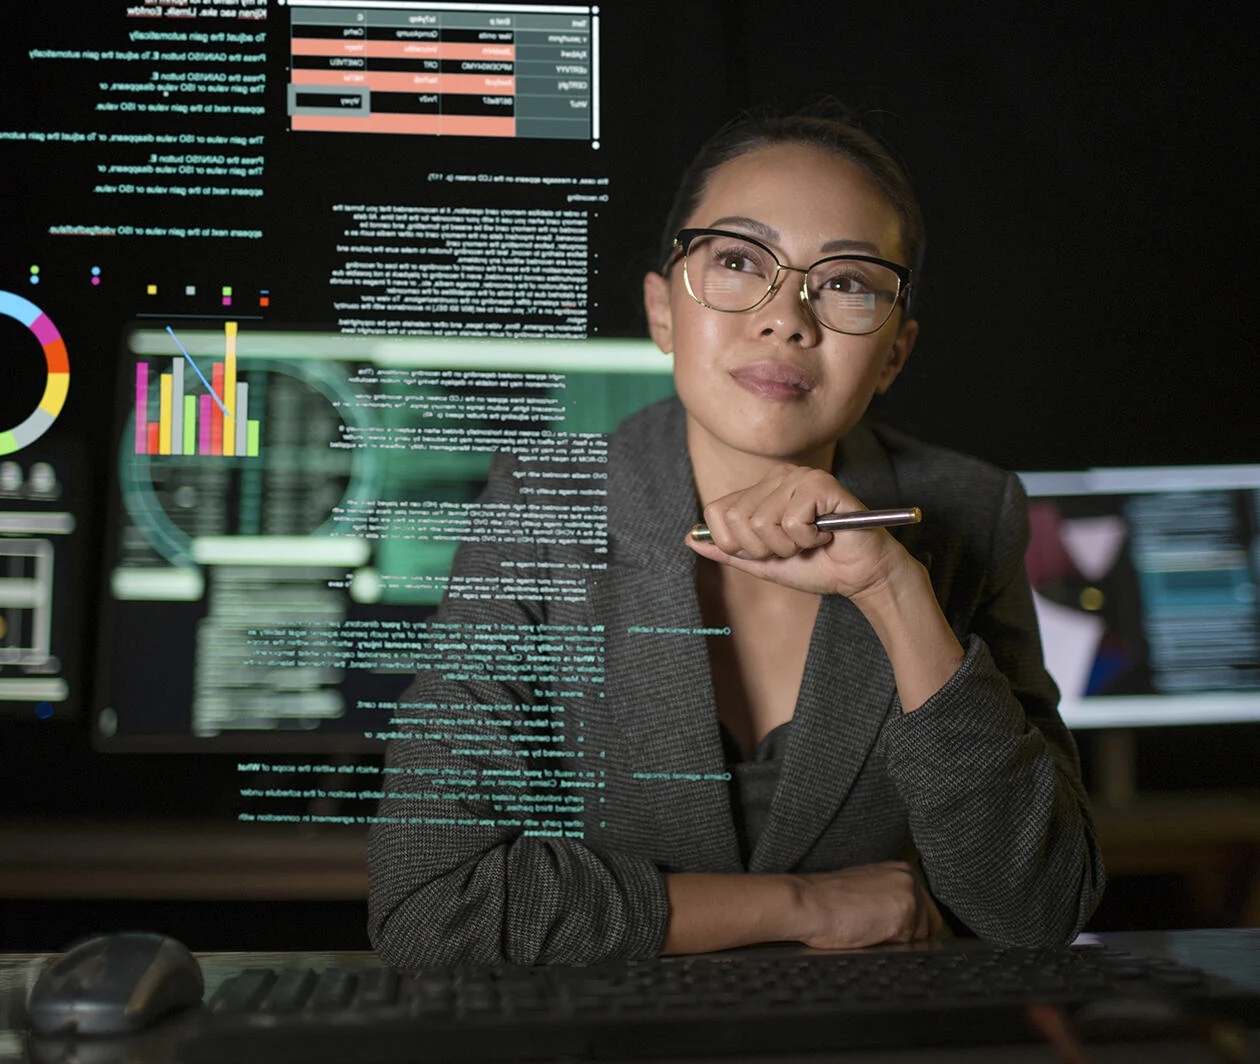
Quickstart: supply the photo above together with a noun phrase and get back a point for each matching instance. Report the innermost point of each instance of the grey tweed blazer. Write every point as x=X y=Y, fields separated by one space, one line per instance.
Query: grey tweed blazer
x=981 y=783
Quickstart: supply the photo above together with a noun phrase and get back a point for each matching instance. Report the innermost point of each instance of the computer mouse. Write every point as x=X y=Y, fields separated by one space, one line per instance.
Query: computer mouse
x=114 y=984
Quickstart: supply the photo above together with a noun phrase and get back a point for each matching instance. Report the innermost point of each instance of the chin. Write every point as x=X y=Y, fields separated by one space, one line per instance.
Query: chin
x=774 y=431
x=775 y=444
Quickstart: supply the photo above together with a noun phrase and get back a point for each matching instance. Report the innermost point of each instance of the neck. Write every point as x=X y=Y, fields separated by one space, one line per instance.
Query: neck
x=720 y=469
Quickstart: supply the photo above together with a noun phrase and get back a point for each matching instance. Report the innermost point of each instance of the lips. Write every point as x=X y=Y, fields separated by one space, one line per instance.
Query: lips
x=773 y=380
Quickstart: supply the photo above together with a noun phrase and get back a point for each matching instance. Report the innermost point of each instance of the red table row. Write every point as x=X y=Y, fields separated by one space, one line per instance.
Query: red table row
x=434 y=125
x=392 y=81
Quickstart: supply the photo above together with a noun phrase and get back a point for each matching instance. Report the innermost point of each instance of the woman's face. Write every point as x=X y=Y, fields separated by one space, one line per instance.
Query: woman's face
x=771 y=381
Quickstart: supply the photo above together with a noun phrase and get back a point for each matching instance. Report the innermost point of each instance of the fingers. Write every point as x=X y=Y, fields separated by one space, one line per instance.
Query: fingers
x=923 y=914
x=867 y=904
x=936 y=922
x=928 y=919
x=775 y=517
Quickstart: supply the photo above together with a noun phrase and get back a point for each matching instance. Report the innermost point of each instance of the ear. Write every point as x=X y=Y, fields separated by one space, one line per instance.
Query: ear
x=897 y=355
x=656 y=301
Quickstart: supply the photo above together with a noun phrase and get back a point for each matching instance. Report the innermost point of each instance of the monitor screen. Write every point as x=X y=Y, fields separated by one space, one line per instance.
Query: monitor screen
x=1146 y=586
x=271 y=553
x=245 y=226
x=42 y=491
x=272 y=259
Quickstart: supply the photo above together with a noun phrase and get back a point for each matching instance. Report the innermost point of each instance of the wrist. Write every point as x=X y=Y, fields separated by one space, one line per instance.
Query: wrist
x=901 y=579
x=712 y=911
x=908 y=621
x=785 y=917
x=801 y=915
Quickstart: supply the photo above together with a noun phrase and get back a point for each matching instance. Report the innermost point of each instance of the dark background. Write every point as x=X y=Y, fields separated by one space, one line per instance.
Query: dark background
x=1087 y=174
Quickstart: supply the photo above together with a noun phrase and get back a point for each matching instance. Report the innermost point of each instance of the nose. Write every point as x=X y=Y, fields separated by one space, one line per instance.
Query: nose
x=787 y=313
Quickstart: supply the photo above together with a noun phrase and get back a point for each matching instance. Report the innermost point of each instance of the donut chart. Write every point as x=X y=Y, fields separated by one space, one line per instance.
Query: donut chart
x=58 y=383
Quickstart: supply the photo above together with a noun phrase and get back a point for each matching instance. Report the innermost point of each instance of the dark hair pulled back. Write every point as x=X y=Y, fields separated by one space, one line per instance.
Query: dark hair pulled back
x=829 y=127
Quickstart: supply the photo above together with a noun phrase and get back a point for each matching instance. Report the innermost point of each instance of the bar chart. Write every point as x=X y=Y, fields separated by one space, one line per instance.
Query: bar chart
x=179 y=412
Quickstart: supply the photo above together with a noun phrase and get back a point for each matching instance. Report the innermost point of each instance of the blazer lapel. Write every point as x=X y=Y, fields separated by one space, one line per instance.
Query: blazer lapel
x=670 y=727
x=846 y=693
x=663 y=702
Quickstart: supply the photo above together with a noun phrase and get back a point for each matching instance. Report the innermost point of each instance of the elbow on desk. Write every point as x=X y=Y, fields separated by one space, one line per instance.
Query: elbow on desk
x=453 y=917
x=525 y=901
x=1040 y=916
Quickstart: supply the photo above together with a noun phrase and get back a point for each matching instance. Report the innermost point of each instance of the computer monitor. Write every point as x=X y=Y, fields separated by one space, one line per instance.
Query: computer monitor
x=320 y=174
x=287 y=180
x=1147 y=587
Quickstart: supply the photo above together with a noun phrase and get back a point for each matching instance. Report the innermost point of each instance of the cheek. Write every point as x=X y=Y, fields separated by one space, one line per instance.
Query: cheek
x=693 y=381
x=695 y=328
x=699 y=336
x=862 y=361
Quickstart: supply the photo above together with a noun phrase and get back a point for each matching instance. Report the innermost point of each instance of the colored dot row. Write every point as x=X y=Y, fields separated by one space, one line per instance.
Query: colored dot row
x=225 y=292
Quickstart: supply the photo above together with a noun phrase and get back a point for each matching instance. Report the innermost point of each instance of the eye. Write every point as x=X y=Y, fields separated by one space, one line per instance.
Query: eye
x=849 y=278
x=728 y=255
x=740 y=258
x=846 y=279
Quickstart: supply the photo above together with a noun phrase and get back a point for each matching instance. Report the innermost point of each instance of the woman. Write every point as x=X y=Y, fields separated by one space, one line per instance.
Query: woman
x=880 y=700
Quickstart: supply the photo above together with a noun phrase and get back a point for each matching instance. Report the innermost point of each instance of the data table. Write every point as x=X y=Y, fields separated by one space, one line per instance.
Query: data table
x=481 y=70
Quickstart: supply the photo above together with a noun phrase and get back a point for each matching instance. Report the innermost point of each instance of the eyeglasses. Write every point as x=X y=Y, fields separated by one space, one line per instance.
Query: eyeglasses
x=731 y=272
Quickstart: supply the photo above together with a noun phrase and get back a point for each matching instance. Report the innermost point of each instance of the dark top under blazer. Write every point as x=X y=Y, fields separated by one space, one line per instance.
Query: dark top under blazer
x=982 y=781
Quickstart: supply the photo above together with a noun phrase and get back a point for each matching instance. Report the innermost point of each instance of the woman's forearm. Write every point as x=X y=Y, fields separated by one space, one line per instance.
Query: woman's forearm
x=844 y=909
x=712 y=911
x=921 y=647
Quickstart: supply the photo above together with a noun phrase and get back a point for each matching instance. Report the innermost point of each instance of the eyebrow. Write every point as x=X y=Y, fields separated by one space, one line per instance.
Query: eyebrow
x=770 y=235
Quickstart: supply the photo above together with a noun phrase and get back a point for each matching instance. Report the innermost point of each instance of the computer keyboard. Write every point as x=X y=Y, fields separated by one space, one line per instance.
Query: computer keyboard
x=719 y=1005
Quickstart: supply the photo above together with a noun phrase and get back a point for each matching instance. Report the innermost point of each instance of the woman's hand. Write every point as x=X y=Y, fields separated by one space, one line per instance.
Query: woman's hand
x=767 y=531
x=865 y=905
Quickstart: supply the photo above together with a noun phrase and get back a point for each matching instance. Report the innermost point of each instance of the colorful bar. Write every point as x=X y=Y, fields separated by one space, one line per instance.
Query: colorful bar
x=251 y=440
x=142 y=407
x=190 y=424
x=164 y=414
x=152 y=442
x=207 y=404
x=177 y=406
x=238 y=429
x=216 y=411
x=229 y=388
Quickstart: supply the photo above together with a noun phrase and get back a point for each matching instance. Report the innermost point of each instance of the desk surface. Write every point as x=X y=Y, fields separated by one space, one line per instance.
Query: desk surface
x=1231 y=953
x=1183 y=834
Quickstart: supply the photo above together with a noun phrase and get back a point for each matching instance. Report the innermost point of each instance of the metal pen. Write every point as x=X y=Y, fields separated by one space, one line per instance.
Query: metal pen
x=912 y=515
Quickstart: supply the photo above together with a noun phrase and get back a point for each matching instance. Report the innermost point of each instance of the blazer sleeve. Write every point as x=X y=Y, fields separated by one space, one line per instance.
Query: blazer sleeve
x=448 y=882
x=990 y=774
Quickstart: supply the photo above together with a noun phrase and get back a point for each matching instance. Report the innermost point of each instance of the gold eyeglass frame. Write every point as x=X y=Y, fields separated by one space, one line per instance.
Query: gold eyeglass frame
x=684 y=238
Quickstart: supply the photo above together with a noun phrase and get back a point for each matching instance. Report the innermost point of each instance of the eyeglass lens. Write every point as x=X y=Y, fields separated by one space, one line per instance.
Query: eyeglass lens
x=847 y=295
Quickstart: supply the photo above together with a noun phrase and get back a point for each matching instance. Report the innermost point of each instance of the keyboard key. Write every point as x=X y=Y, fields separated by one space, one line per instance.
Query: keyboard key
x=243 y=992
x=289 y=992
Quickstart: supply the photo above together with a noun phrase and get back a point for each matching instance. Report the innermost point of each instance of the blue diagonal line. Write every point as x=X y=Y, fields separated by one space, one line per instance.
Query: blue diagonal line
x=211 y=390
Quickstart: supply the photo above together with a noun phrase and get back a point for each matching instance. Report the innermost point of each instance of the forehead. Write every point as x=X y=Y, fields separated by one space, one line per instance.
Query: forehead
x=809 y=195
